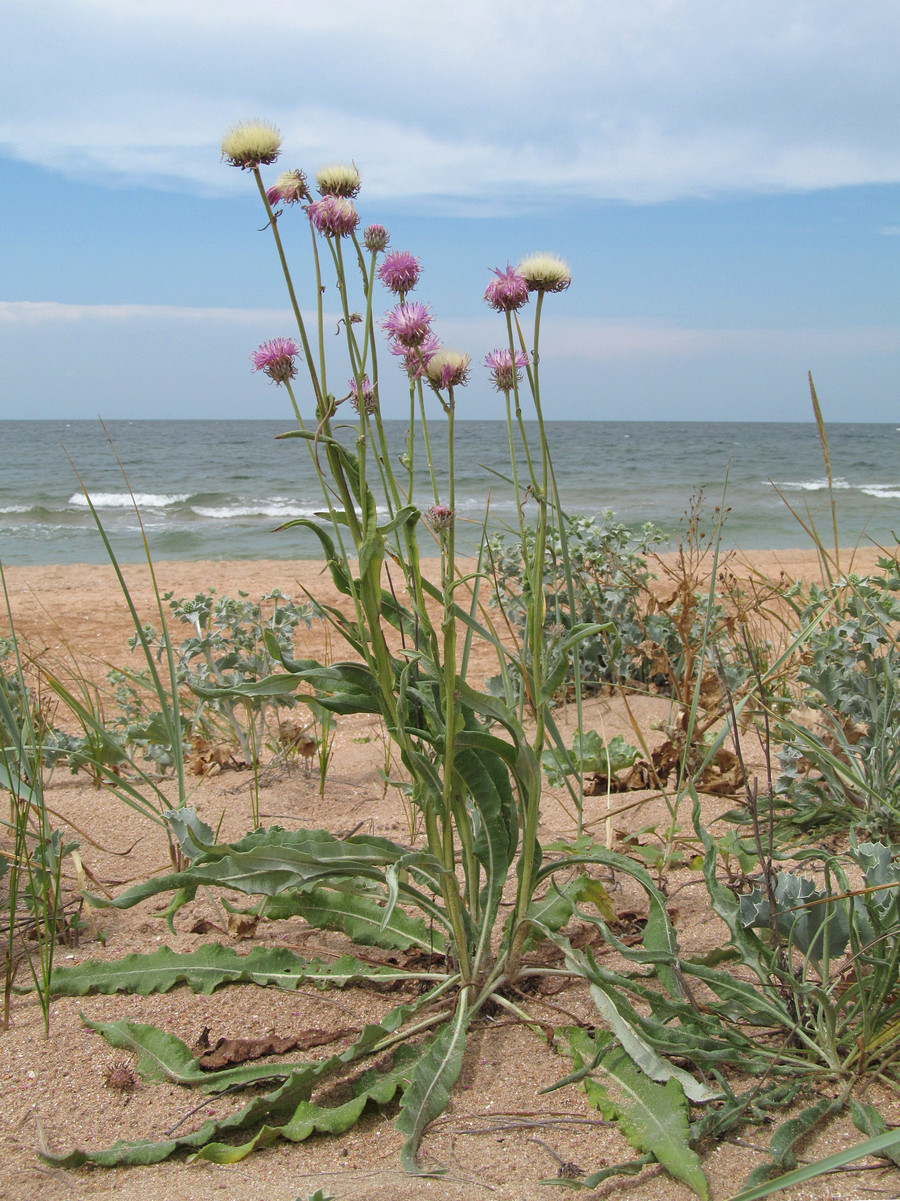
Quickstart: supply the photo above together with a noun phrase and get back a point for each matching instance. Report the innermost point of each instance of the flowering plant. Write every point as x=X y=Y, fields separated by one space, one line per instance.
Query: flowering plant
x=472 y=758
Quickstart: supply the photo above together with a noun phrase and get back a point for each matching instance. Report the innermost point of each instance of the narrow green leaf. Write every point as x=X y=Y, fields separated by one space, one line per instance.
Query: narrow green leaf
x=868 y=1120
x=428 y=1092
x=872 y=1146
x=781 y=1144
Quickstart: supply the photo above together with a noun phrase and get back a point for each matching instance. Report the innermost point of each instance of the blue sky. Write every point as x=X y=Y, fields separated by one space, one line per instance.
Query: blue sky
x=721 y=176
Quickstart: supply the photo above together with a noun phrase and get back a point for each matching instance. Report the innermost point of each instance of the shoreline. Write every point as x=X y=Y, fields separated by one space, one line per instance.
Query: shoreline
x=80 y=607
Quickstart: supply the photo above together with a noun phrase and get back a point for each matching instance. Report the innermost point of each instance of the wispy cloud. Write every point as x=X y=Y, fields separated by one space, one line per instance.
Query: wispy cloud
x=515 y=99
x=46 y=312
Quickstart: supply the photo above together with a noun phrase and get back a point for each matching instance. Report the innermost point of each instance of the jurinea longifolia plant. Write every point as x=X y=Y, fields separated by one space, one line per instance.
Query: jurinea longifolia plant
x=473 y=773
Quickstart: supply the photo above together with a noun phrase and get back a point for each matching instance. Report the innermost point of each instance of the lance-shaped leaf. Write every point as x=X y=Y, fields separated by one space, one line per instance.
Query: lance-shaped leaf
x=428 y=1092
x=210 y=967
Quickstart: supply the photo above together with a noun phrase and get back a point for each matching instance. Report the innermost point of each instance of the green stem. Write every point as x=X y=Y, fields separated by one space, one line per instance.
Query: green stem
x=298 y=316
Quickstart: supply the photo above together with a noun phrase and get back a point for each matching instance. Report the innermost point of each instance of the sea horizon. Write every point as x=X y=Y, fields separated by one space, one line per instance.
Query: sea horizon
x=220 y=489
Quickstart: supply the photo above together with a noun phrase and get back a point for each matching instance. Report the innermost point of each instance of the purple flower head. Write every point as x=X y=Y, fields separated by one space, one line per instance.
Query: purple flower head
x=289 y=188
x=448 y=369
x=333 y=216
x=506 y=368
x=408 y=323
x=376 y=237
x=440 y=518
x=276 y=359
x=417 y=358
x=508 y=292
x=362 y=396
x=399 y=271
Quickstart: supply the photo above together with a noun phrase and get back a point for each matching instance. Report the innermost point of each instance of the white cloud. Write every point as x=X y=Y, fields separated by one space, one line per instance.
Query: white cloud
x=519 y=98
x=47 y=312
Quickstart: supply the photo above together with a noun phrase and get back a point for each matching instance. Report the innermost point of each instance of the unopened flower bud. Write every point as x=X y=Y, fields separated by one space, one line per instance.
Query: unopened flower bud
x=376 y=237
x=440 y=518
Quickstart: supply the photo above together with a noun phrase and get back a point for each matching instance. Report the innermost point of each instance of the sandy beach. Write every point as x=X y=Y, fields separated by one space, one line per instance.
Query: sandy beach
x=500 y=1135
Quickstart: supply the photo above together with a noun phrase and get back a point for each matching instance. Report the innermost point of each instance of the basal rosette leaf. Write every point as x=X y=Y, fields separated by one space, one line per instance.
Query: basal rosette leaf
x=210 y=967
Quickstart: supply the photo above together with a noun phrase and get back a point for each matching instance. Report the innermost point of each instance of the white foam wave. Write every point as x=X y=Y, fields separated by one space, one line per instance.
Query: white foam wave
x=279 y=509
x=16 y=509
x=881 y=492
x=124 y=500
x=820 y=485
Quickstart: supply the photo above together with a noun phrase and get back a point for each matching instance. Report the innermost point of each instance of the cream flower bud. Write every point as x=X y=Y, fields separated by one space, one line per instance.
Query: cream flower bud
x=251 y=143
x=448 y=369
x=545 y=273
x=339 y=179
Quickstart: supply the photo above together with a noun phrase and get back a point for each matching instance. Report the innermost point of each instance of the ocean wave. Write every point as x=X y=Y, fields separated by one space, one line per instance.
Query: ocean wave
x=280 y=509
x=18 y=509
x=881 y=491
x=125 y=500
x=818 y=485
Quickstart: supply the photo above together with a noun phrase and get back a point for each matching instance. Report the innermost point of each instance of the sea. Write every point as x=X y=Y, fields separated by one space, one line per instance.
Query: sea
x=222 y=489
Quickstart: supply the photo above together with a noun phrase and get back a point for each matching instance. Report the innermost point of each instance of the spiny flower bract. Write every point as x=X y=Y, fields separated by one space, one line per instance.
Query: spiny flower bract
x=440 y=518
x=376 y=237
x=417 y=358
x=250 y=144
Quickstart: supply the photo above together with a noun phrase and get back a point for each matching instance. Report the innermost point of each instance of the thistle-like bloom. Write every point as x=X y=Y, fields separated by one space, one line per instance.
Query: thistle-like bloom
x=417 y=358
x=376 y=237
x=399 y=271
x=362 y=396
x=333 y=216
x=289 y=188
x=448 y=369
x=506 y=368
x=545 y=273
x=250 y=144
x=276 y=359
x=508 y=291
x=339 y=179
x=409 y=323
x=440 y=518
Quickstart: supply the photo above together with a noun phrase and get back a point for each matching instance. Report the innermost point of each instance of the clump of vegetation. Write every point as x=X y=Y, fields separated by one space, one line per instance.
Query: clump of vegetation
x=235 y=641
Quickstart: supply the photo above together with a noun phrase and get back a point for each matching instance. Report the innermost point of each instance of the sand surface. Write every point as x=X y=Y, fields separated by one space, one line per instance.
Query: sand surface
x=499 y=1134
